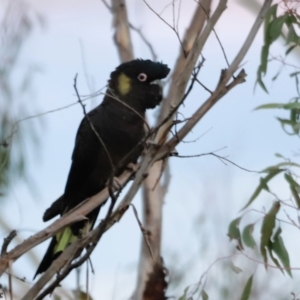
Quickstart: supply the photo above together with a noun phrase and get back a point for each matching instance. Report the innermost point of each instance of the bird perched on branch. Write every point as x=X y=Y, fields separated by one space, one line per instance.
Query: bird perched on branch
x=108 y=139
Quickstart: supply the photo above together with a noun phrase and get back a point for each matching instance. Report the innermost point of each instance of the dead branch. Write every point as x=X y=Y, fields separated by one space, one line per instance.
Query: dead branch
x=56 y=265
x=6 y=242
x=221 y=88
x=185 y=65
x=143 y=230
x=64 y=262
x=154 y=192
x=141 y=174
x=122 y=34
x=75 y=215
x=197 y=116
x=145 y=40
x=191 y=35
x=221 y=158
x=91 y=124
x=137 y=30
x=5 y=142
x=173 y=27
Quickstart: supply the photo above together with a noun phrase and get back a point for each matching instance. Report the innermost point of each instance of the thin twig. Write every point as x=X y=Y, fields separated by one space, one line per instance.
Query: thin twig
x=197 y=116
x=92 y=125
x=206 y=272
x=268 y=265
x=218 y=156
x=14 y=131
x=216 y=35
x=144 y=39
x=6 y=242
x=122 y=35
x=87 y=279
x=143 y=230
x=198 y=138
x=184 y=66
x=10 y=285
x=167 y=119
x=107 y=5
x=207 y=89
x=178 y=15
x=169 y=25
x=249 y=40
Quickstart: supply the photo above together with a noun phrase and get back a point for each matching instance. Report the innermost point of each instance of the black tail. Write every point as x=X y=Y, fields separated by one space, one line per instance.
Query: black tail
x=48 y=258
x=64 y=238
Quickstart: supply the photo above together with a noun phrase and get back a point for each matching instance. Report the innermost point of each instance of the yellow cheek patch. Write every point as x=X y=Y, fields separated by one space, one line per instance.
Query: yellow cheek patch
x=124 y=84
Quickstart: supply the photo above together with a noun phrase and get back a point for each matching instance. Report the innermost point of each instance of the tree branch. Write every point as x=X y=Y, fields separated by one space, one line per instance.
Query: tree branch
x=197 y=116
x=153 y=192
x=185 y=65
x=221 y=88
x=122 y=35
x=6 y=242
x=75 y=215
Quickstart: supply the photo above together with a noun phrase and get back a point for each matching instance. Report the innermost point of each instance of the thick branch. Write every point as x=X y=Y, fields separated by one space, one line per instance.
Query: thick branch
x=191 y=35
x=184 y=68
x=222 y=88
x=122 y=35
x=153 y=196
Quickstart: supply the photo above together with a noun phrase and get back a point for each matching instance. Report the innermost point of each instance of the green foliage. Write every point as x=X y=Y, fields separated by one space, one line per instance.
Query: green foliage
x=234 y=232
x=287 y=106
x=204 y=295
x=273 y=171
x=281 y=26
x=247 y=289
x=292 y=125
x=184 y=296
x=248 y=237
x=271 y=246
x=277 y=26
x=270 y=243
x=189 y=295
x=263 y=184
x=267 y=227
x=81 y=295
x=279 y=248
x=294 y=187
x=235 y=269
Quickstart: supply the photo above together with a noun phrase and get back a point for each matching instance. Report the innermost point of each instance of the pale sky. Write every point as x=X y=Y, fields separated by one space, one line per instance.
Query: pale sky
x=204 y=194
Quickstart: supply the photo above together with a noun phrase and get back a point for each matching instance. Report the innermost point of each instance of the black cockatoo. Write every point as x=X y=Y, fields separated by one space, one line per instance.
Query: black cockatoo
x=120 y=125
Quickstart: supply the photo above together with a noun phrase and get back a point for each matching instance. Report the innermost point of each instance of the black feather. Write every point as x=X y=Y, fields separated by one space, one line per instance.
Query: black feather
x=119 y=121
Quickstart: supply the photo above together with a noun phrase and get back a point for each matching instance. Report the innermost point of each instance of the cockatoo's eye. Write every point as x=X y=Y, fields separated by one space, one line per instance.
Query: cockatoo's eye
x=142 y=77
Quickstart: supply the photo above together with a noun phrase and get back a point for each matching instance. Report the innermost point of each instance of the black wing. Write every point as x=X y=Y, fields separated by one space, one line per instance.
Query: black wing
x=90 y=166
